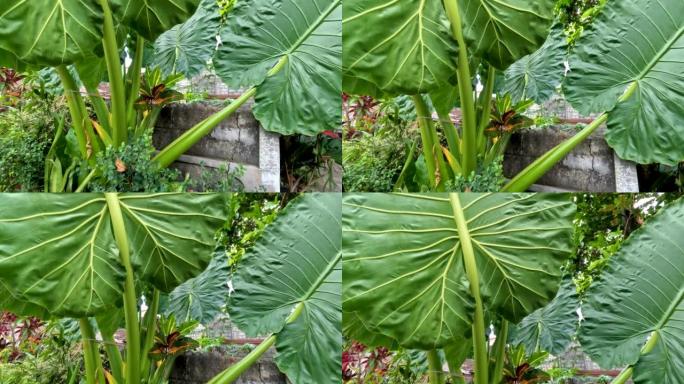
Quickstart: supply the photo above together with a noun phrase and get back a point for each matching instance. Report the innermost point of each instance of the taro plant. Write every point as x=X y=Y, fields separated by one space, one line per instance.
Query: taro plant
x=633 y=311
x=433 y=271
x=626 y=67
x=98 y=254
x=285 y=53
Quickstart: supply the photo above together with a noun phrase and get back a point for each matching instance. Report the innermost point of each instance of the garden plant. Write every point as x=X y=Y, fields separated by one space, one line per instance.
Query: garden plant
x=476 y=261
x=120 y=250
x=625 y=67
x=284 y=54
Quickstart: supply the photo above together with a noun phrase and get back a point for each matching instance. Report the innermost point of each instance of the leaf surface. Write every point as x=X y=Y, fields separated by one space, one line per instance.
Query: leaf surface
x=641 y=292
x=186 y=48
x=303 y=97
x=404 y=264
x=151 y=18
x=403 y=47
x=296 y=262
x=504 y=31
x=49 y=32
x=638 y=44
x=536 y=76
x=552 y=327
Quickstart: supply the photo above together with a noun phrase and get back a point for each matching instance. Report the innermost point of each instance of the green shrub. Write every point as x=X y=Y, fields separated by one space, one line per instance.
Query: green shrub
x=130 y=168
x=372 y=163
x=25 y=136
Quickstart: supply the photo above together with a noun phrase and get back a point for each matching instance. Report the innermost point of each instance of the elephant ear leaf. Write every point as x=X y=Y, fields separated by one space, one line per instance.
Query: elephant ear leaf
x=552 y=327
x=537 y=75
x=296 y=266
x=411 y=51
x=305 y=37
x=60 y=253
x=172 y=235
x=151 y=18
x=640 y=294
x=50 y=33
x=202 y=298
x=186 y=48
x=405 y=255
x=503 y=31
x=638 y=47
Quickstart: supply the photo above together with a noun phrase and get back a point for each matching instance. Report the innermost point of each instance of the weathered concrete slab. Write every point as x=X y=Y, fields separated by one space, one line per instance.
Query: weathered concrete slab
x=200 y=367
x=591 y=167
x=238 y=140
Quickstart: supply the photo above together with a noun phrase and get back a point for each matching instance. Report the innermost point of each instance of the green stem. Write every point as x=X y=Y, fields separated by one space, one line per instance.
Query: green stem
x=88 y=355
x=130 y=297
x=435 y=371
x=150 y=326
x=101 y=109
x=541 y=166
x=455 y=361
x=51 y=152
x=233 y=372
x=134 y=76
x=116 y=84
x=72 y=94
x=647 y=348
x=115 y=360
x=85 y=181
x=469 y=124
x=174 y=150
x=479 y=337
x=485 y=102
x=451 y=134
x=434 y=160
x=409 y=160
x=499 y=352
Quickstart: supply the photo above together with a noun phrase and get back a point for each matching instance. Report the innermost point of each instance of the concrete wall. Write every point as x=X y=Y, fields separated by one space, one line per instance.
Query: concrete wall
x=238 y=140
x=200 y=367
x=591 y=167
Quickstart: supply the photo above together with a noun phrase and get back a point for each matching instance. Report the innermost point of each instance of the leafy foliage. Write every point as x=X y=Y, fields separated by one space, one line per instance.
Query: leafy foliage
x=130 y=168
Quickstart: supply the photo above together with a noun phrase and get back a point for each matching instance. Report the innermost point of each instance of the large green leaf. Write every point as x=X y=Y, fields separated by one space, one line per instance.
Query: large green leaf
x=634 y=43
x=641 y=292
x=151 y=18
x=403 y=47
x=186 y=48
x=202 y=298
x=536 y=76
x=403 y=265
x=296 y=262
x=552 y=327
x=303 y=97
x=504 y=31
x=58 y=251
x=48 y=32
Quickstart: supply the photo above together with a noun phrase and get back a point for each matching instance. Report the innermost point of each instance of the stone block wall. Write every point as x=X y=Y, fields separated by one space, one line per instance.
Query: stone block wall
x=238 y=140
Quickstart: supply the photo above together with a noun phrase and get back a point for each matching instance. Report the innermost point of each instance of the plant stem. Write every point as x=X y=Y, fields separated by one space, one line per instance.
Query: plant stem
x=455 y=357
x=468 y=124
x=116 y=84
x=115 y=360
x=479 y=337
x=409 y=160
x=499 y=352
x=134 y=77
x=85 y=181
x=101 y=109
x=88 y=356
x=451 y=134
x=528 y=176
x=432 y=150
x=233 y=372
x=435 y=371
x=130 y=297
x=72 y=95
x=150 y=326
x=174 y=150
x=485 y=101
x=647 y=348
